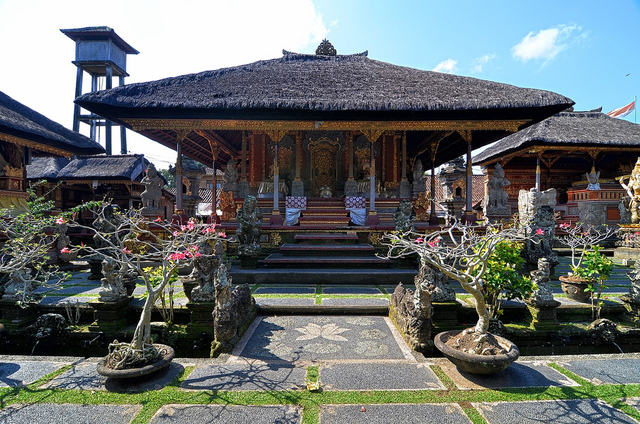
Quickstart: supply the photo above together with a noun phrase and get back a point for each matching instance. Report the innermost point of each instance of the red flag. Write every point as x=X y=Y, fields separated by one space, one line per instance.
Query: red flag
x=623 y=111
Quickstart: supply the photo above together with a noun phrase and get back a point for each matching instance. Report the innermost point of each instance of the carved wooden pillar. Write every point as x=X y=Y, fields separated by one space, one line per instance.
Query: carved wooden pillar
x=179 y=139
x=538 y=172
x=350 y=186
x=372 y=218
x=276 y=136
x=469 y=216
x=433 y=218
x=297 y=185
x=405 y=186
x=244 y=184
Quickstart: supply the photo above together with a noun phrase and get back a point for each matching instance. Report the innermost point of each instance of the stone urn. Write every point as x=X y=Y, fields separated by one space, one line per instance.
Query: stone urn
x=476 y=363
x=575 y=288
x=161 y=362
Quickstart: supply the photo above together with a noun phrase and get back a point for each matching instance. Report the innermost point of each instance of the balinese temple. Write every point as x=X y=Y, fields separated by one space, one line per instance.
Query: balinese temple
x=25 y=134
x=322 y=133
x=335 y=123
x=562 y=152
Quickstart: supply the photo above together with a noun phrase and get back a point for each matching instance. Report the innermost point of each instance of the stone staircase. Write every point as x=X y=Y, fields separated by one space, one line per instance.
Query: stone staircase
x=326 y=250
x=325 y=212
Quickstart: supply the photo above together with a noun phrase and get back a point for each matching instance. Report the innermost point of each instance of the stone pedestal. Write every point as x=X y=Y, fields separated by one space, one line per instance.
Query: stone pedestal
x=201 y=317
x=372 y=219
x=404 y=189
x=297 y=188
x=244 y=189
x=628 y=253
x=15 y=317
x=543 y=312
x=109 y=316
x=493 y=217
x=95 y=265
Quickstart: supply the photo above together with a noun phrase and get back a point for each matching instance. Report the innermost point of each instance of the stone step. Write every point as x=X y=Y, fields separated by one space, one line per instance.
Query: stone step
x=325 y=236
x=324 y=220
x=278 y=259
x=301 y=250
x=324 y=212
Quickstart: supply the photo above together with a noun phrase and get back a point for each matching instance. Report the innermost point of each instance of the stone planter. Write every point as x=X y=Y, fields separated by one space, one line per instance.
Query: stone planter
x=477 y=364
x=575 y=288
x=163 y=361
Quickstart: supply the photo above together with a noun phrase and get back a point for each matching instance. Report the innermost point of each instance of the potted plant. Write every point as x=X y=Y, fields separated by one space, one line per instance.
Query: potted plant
x=133 y=243
x=589 y=267
x=464 y=253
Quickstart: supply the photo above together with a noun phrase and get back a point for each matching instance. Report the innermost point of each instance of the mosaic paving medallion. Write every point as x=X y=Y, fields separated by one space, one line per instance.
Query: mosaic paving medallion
x=322 y=338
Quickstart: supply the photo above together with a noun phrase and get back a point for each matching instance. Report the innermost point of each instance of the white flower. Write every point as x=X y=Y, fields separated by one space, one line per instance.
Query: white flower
x=327 y=331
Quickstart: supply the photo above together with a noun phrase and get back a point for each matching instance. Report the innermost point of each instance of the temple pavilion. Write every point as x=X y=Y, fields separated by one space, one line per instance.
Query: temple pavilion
x=559 y=152
x=324 y=125
x=26 y=134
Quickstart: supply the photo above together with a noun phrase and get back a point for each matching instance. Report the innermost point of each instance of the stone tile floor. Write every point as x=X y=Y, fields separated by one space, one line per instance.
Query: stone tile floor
x=366 y=371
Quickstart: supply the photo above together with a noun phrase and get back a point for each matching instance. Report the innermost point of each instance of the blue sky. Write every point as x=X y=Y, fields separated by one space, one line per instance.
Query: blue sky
x=586 y=50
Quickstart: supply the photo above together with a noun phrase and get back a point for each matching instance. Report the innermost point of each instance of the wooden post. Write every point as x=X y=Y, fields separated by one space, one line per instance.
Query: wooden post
x=538 y=172
x=179 y=173
x=76 y=108
x=107 y=123
x=123 y=130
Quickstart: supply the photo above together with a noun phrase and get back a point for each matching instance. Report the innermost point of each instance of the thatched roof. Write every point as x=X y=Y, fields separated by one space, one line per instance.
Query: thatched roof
x=316 y=86
x=319 y=88
x=18 y=120
x=571 y=129
x=119 y=167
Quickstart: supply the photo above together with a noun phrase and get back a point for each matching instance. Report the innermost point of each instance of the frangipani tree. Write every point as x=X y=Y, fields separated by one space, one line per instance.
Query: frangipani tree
x=24 y=255
x=132 y=241
x=461 y=252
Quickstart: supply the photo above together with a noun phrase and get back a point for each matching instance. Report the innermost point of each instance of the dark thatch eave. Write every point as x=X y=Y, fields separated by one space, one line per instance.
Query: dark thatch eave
x=571 y=129
x=117 y=167
x=299 y=86
x=19 y=121
x=46 y=167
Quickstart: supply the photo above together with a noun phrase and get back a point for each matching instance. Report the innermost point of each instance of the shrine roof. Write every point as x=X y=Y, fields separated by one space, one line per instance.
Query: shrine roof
x=22 y=122
x=125 y=167
x=584 y=129
x=303 y=86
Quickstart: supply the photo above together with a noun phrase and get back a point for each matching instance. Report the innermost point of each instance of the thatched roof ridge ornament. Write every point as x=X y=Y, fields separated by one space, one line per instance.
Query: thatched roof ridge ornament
x=326 y=49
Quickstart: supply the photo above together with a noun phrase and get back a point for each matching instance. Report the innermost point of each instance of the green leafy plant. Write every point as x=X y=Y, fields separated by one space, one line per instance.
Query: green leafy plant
x=596 y=268
x=502 y=279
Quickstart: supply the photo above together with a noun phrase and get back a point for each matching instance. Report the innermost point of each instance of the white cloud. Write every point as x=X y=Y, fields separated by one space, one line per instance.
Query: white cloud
x=448 y=66
x=174 y=38
x=545 y=44
x=478 y=63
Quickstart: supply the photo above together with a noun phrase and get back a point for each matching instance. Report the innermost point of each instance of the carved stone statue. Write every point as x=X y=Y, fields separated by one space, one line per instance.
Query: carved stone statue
x=498 y=198
x=540 y=277
x=541 y=235
x=633 y=191
x=625 y=213
x=204 y=272
x=412 y=311
x=106 y=224
x=249 y=229
x=438 y=283
x=418 y=178
x=111 y=289
x=49 y=330
x=20 y=286
x=230 y=177
x=233 y=312
x=153 y=191
x=530 y=201
x=404 y=216
x=593 y=179
x=634 y=288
